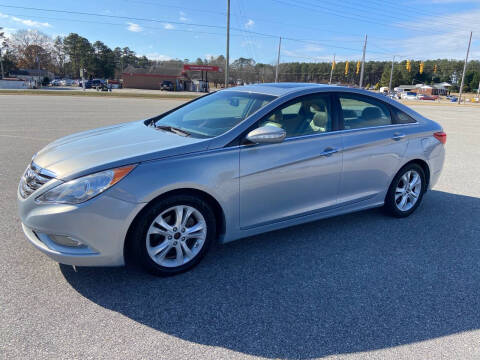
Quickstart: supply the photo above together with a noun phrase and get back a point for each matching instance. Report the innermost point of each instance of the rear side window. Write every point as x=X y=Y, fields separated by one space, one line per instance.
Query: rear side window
x=399 y=117
x=363 y=112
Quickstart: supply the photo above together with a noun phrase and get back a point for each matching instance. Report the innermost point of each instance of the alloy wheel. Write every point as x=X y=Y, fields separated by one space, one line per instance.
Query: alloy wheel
x=408 y=190
x=176 y=236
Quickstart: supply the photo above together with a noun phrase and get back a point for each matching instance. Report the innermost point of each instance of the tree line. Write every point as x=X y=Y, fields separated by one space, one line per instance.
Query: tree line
x=65 y=56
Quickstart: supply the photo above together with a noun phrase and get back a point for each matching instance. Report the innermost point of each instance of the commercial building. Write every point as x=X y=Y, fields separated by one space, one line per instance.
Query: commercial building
x=184 y=78
x=435 y=89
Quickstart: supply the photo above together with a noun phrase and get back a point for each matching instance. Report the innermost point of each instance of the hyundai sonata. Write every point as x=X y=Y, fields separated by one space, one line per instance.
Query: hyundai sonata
x=235 y=163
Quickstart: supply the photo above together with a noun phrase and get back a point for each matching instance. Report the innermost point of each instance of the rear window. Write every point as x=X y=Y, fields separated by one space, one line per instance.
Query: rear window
x=401 y=118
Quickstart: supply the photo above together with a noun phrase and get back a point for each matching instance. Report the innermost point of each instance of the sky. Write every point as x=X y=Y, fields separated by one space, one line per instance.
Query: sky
x=311 y=30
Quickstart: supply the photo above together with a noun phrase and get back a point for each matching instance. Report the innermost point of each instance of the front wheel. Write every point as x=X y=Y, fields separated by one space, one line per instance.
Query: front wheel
x=173 y=234
x=406 y=191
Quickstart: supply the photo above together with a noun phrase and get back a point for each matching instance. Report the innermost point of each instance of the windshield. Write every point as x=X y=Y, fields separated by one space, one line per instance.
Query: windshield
x=214 y=114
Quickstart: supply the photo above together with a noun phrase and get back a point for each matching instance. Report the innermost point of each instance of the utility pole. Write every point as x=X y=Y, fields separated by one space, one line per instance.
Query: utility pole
x=464 y=69
x=391 y=74
x=363 y=61
x=331 y=70
x=227 y=60
x=278 y=59
x=1 y=63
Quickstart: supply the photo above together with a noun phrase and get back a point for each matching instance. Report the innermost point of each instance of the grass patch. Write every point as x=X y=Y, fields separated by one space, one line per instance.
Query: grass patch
x=98 y=94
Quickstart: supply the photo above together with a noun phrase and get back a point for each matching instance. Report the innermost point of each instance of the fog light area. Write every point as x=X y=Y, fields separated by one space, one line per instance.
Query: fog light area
x=66 y=241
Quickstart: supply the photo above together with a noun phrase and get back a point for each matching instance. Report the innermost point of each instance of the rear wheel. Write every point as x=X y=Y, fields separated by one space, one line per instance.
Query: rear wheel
x=173 y=234
x=406 y=191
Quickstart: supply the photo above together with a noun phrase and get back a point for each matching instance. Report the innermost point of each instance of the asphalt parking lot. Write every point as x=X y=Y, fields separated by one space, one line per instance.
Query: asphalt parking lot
x=360 y=286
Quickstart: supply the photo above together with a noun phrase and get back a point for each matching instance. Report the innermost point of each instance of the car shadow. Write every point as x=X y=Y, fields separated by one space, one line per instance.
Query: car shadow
x=353 y=283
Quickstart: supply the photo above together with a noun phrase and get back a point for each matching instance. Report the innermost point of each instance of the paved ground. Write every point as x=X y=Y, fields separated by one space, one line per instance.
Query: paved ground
x=361 y=286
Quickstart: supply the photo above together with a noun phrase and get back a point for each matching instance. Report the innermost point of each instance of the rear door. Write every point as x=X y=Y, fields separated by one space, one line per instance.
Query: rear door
x=297 y=176
x=373 y=147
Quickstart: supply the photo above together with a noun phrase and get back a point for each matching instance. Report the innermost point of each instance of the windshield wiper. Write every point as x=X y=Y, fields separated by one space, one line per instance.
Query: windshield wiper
x=173 y=129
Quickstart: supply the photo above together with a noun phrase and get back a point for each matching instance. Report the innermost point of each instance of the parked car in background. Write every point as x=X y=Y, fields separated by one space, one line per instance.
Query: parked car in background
x=55 y=82
x=88 y=83
x=98 y=83
x=66 y=82
x=116 y=84
x=409 y=95
x=167 y=86
x=231 y=164
x=427 y=97
x=452 y=98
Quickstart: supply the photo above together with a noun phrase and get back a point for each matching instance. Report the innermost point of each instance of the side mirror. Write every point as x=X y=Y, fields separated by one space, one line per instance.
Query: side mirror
x=268 y=134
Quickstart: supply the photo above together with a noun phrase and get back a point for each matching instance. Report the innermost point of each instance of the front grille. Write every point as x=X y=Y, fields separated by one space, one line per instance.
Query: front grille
x=33 y=178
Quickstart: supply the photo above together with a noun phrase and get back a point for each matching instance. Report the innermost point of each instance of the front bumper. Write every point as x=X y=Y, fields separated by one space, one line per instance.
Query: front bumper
x=100 y=225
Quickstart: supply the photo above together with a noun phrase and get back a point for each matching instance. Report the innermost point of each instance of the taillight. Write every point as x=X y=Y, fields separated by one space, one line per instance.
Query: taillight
x=440 y=136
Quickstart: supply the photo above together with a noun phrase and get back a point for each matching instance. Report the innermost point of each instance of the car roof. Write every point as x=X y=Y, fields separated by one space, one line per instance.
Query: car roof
x=276 y=89
x=283 y=88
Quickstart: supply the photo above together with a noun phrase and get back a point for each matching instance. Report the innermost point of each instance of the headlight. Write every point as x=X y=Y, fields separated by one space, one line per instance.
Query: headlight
x=84 y=188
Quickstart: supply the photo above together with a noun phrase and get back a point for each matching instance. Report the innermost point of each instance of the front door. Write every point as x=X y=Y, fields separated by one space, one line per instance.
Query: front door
x=298 y=176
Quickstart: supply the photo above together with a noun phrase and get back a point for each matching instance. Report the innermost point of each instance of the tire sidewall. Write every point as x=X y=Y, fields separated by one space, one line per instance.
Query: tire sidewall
x=390 y=198
x=144 y=221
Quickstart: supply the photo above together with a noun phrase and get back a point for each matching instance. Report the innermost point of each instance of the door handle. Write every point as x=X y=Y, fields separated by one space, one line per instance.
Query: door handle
x=328 y=151
x=398 y=136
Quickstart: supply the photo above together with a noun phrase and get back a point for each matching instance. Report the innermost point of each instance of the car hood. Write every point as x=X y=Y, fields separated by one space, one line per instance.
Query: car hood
x=113 y=146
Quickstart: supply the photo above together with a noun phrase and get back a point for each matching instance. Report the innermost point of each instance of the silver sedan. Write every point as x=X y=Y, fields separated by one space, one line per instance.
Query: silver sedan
x=231 y=164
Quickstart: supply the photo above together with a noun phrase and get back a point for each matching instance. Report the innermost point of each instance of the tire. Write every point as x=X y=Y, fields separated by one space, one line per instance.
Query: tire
x=155 y=232
x=399 y=193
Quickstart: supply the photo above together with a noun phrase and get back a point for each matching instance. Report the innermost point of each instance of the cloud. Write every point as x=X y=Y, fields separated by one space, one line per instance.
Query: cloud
x=452 y=1
x=246 y=43
x=158 y=57
x=183 y=16
x=134 y=27
x=305 y=56
x=313 y=48
x=209 y=56
x=307 y=53
x=168 y=26
x=249 y=24
x=26 y=22
x=8 y=32
x=446 y=41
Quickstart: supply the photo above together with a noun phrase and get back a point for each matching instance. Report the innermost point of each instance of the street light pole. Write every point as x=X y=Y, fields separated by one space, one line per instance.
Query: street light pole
x=391 y=74
x=278 y=59
x=227 y=60
x=464 y=69
x=363 y=61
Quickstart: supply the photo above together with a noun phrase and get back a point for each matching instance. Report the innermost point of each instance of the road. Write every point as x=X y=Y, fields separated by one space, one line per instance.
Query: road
x=360 y=286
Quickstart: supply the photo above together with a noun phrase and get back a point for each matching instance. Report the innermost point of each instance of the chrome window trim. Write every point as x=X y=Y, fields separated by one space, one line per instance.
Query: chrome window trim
x=326 y=133
x=378 y=127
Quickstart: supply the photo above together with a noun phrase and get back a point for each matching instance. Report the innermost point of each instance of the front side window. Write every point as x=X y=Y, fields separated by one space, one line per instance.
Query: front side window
x=305 y=116
x=214 y=114
x=363 y=112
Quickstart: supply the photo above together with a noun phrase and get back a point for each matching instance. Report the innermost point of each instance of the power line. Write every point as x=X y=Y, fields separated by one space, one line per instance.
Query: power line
x=173 y=22
x=119 y=24
x=112 y=16
x=410 y=9
x=406 y=16
x=299 y=4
